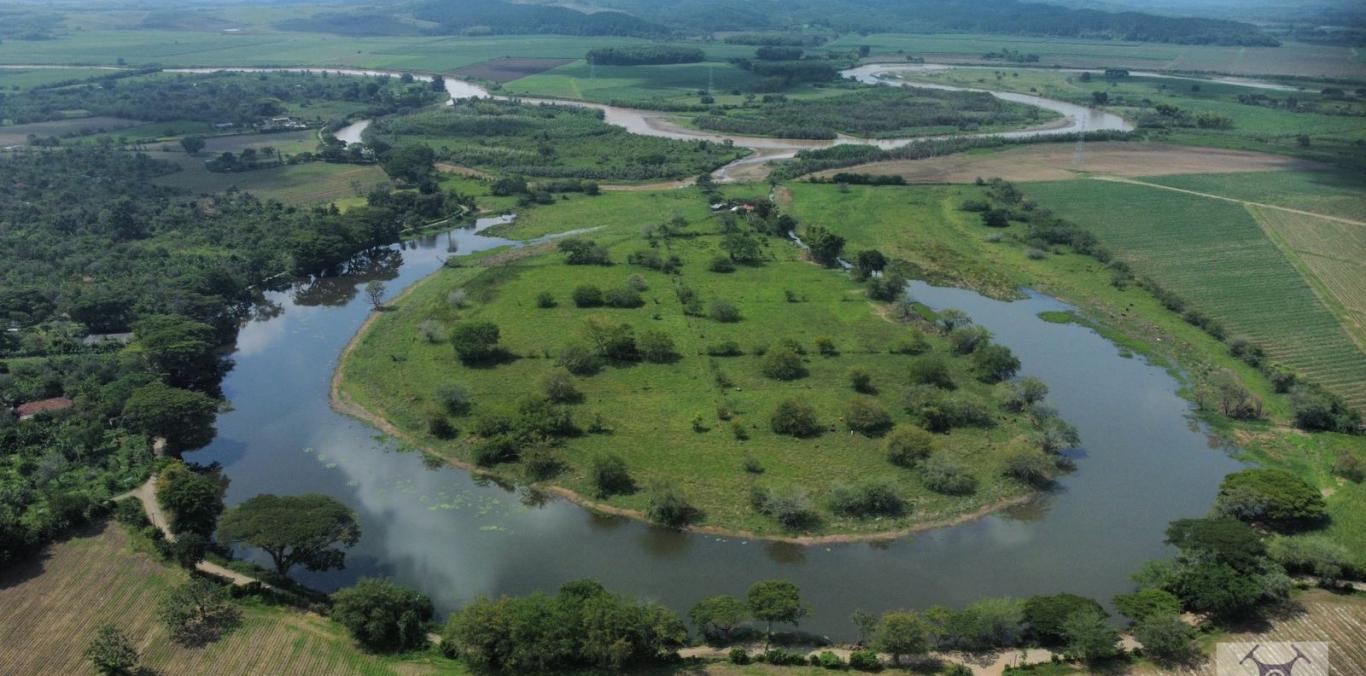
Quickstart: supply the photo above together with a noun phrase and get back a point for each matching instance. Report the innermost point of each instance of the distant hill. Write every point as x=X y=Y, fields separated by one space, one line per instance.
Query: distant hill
x=484 y=17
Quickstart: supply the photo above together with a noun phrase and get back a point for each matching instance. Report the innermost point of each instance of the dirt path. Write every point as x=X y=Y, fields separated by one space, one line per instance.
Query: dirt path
x=147 y=495
x=1263 y=205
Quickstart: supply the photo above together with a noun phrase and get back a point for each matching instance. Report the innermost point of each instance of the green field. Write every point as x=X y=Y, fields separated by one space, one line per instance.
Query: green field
x=1291 y=59
x=1214 y=254
x=666 y=419
x=1340 y=194
x=300 y=184
x=22 y=78
x=650 y=86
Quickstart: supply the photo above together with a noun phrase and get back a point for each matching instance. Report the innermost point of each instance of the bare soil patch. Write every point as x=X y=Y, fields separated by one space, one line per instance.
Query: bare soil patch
x=1057 y=162
x=509 y=68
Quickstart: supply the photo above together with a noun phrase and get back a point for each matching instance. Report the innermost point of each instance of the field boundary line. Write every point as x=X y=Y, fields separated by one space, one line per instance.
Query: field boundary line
x=1122 y=179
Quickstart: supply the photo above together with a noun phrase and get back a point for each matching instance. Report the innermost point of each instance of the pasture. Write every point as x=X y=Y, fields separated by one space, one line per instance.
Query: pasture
x=300 y=184
x=16 y=79
x=18 y=134
x=51 y=605
x=677 y=422
x=1215 y=255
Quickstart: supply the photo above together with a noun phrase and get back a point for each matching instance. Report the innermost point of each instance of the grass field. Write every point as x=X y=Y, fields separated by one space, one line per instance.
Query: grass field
x=665 y=418
x=677 y=84
x=300 y=184
x=1291 y=59
x=18 y=134
x=51 y=606
x=1214 y=254
x=1331 y=193
x=22 y=78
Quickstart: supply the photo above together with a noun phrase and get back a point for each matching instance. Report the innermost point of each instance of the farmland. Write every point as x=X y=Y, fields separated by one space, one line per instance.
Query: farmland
x=704 y=415
x=1226 y=266
x=55 y=604
x=299 y=184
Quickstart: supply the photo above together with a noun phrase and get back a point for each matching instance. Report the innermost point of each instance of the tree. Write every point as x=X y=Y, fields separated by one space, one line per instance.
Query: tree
x=112 y=653
x=669 y=507
x=775 y=601
x=865 y=416
x=411 y=163
x=193 y=499
x=383 y=616
x=907 y=445
x=558 y=386
x=198 y=612
x=996 y=218
x=868 y=261
x=183 y=351
x=307 y=530
x=375 y=290
x=1088 y=637
x=1146 y=603
x=192 y=144
x=476 y=341
x=952 y=318
x=1046 y=616
x=865 y=622
x=182 y=417
x=783 y=363
x=1272 y=497
x=900 y=632
x=610 y=476
x=995 y=363
x=825 y=246
x=1166 y=637
x=718 y=616
x=656 y=346
x=795 y=418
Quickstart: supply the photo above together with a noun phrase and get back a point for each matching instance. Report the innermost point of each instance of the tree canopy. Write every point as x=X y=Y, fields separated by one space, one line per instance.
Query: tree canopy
x=309 y=530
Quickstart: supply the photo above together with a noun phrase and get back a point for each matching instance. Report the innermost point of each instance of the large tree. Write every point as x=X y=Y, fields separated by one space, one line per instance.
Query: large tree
x=182 y=417
x=308 y=530
x=775 y=601
x=901 y=633
x=383 y=616
x=183 y=351
x=718 y=616
x=192 y=499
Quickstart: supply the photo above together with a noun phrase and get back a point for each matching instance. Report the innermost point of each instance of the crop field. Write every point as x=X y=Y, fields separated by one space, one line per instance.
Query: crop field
x=1057 y=162
x=1331 y=193
x=507 y=69
x=300 y=184
x=1214 y=254
x=1316 y=616
x=50 y=608
x=678 y=406
x=18 y=134
x=1292 y=58
x=23 y=78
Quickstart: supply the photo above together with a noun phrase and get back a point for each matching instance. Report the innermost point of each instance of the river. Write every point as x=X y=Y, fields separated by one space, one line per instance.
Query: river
x=437 y=529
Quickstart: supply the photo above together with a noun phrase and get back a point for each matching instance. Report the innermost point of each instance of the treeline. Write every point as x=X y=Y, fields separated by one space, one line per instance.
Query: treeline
x=238 y=98
x=874 y=112
x=547 y=141
x=495 y=17
x=644 y=55
x=775 y=39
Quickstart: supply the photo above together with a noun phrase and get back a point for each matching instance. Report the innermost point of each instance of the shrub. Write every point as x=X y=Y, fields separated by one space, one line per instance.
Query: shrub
x=669 y=507
x=738 y=655
x=825 y=345
x=795 y=418
x=1273 y=497
x=721 y=264
x=198 y=612
x=541 y=462
x=382 y=616
x=112 y=652
x=475 y=341
x=1311 y=554
x=790 y=507
x=545 y=299
x=496 y=449
x=864 y=660
x=946 y=476
x=1347 y=466
x=782 y=658
x=1024 y=394
x=579 y=360
x=727 y=348
x=1166 y=638
x=878 y=497
x=1030 y=467
x=558 y=386
x=637 y=283
x=908 y=445
x=724 y=312
x=457 y=298
x=656 y=346
x=610 y=477
x=783 y=364
x=1317 y=409
x=752 y=465
x=453 y=398
x=1046 y=615
x=931 y=371
x=861 y=380
x=865 y=416
x=587 y=295
x=967 y=339
x=1146 y=603
x=625 y=298
x=432 y=331
x=537 y=415
x=995 y=363
x=614 y=342
x=914 y=343
x=583 y=252
x=439 y=427
x=829 y=660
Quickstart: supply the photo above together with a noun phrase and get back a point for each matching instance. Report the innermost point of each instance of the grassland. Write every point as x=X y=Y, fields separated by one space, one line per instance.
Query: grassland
x=1331 y=193
x=675 y=422
x=299 y=184
x=1214 y=254
x=23 y=78
x=51 y=606
x=1290 y=59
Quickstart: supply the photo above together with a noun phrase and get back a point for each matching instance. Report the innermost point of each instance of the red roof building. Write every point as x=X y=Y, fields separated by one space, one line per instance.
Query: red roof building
x=33 y=408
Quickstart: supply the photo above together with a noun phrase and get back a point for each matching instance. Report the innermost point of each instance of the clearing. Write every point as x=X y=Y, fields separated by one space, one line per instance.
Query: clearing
x=297 y=184
x=1057 y=162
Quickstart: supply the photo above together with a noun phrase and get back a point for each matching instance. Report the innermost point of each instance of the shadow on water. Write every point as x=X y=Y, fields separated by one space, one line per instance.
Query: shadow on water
x=454 y=537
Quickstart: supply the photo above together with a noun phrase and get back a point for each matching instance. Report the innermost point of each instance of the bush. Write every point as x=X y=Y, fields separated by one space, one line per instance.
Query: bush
x=995 y=363
x=1315 y=555
x=724 y=312
x=432 y=331
x=587 y=295
x=825 y=345
x=637 y=283
x=112 y=652
x=453 y=398
x=790 y=507
x=1347 y=466
x=382 y=616
x=656 y=346
x=915 y=343
x=541 y=462
x=579 y=360
x=864 y=660
x=1024 y=394
x=497 y=449
x=967 y=339
x=721 y=264
x=558 y=386
x=931 y=371
x=539 y=416
x=669 y=507
x=609 y=476
x=829 y=660
x=752 y=465
x=879 y=497
x=861 y=380
x=584 y=252
x=625 y=298
x=727 y=348
x=439 y=427
x=866 y=417
x=198 y=612
x=783 y=364
x=795 y=418
x=475 y=341
x=908 y=445
x=739 y=656
x=782 y=658
x=946 y=476
x=1046 y=615
x=1147 y=603
x=1317 y=409
x=1273 y=497
x=545 y=299
x=1030 y=467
